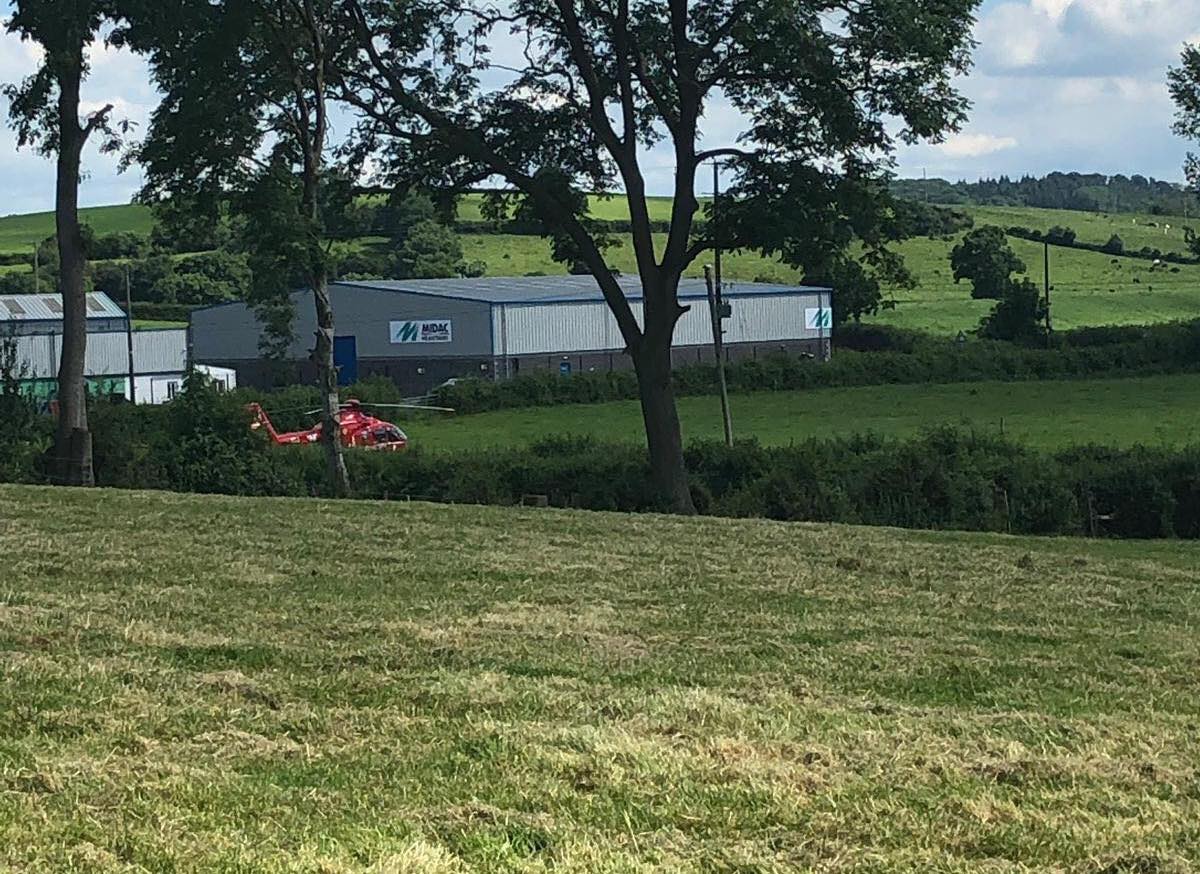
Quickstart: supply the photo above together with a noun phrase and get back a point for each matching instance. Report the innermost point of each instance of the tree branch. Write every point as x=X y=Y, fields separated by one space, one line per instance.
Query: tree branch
x=473 y=144
x=96 y=121
x=728 y=151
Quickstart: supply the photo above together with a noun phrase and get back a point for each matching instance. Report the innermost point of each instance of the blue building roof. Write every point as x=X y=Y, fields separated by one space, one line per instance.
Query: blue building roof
x=560 y=289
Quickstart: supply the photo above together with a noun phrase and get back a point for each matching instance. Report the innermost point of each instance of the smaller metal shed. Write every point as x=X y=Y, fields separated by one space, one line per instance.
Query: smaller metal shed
x=33 y=323
x=30 y=314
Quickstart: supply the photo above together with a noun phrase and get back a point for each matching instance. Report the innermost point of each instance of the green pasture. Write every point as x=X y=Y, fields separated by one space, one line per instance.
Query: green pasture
x=1160 y=410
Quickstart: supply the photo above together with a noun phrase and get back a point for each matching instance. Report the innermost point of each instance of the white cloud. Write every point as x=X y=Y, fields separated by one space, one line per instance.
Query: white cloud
x=1054 y=9
x=1078 y=84
x=974 y=145
x=1013 y=36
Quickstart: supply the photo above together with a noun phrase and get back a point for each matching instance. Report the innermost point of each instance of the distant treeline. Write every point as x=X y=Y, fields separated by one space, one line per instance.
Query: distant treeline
x=1089 y=192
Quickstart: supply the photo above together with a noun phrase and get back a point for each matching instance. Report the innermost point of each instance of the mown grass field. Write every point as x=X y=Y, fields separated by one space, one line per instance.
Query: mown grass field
x=220 y=685
x=1088 y=287
x=1156 y=411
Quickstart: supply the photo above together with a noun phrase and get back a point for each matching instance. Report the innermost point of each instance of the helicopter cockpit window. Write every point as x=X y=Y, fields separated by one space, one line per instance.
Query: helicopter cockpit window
x=388 y=435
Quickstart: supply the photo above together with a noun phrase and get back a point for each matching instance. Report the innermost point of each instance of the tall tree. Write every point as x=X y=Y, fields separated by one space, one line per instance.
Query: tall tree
x=985 y=259
x=586 y=86
x=1184 y=84
x=1018 y=315
x=245 y=120
x=44 y=109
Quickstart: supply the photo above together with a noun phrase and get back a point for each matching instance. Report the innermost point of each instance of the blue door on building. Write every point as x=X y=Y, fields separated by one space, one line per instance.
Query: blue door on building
x=345 y=359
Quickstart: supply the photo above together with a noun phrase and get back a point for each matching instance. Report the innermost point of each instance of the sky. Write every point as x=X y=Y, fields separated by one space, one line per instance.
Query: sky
x=1057 y=85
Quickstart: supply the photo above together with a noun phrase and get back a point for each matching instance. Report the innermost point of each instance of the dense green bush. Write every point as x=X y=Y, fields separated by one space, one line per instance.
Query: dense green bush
x=162 y=312
x=195 y=280
x=201 y=442
x=24 y=434
x=122 y=244
x=18 y=283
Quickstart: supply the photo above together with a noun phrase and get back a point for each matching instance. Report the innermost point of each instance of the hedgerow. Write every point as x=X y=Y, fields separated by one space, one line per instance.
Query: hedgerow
x=944 y=479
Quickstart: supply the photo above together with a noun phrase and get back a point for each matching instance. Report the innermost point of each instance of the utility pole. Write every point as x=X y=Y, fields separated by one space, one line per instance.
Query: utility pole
x=129 y=339
x=716 y=227
x=1046 y=266
x=719 y=350
x=717 y=307
x=37 y=270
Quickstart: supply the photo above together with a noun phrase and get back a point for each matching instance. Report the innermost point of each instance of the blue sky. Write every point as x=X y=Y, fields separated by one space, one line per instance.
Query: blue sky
x=1057 y=85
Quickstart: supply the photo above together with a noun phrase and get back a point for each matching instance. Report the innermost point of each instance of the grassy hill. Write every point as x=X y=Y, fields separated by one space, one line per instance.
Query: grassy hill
x=608 y=208
x=19 y=233
x=212 y=684
x=1136 y=230
x=1088 y=287
x=1047 y=415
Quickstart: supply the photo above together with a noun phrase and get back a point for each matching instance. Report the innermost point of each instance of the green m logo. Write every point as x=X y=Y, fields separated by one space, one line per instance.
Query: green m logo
x=819 y=319
x=406 y=332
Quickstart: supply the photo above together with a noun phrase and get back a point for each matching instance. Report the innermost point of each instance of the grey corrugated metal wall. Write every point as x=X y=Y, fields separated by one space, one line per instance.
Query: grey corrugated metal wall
x=231 y=332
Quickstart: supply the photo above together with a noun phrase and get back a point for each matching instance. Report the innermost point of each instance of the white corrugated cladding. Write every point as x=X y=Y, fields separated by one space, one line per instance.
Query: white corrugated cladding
x=755 y=319
x=160 y=351
x=533 y=329
x=542 y=328
x=107 y=354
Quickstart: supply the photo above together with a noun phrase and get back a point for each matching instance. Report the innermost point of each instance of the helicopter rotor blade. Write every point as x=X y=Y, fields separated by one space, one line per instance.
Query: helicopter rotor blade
x=290 y=410
x=410 y=407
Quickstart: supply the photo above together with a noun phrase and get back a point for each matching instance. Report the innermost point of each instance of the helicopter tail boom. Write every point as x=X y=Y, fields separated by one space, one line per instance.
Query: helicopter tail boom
x=263 y=421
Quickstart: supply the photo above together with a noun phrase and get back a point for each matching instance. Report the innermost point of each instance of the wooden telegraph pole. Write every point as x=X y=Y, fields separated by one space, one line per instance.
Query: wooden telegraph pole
x=717 y=307
x=1046 y=267
x=129 y=339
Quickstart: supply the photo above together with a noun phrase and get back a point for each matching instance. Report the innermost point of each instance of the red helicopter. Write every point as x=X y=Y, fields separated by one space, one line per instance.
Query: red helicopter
x=359 y=428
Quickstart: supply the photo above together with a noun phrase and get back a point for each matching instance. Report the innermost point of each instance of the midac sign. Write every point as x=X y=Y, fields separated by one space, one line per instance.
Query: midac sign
x=818 y=319
x=433 y=331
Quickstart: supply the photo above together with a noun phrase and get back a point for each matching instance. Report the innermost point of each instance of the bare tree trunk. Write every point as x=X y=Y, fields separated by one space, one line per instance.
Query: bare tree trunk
x=73 y=442
x=664 y=436
x=312 y=122
x=331 y=429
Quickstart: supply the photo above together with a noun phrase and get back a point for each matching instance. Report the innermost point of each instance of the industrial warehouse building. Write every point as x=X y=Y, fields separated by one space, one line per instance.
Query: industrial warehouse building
x=420 y=333
x=33 y=324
